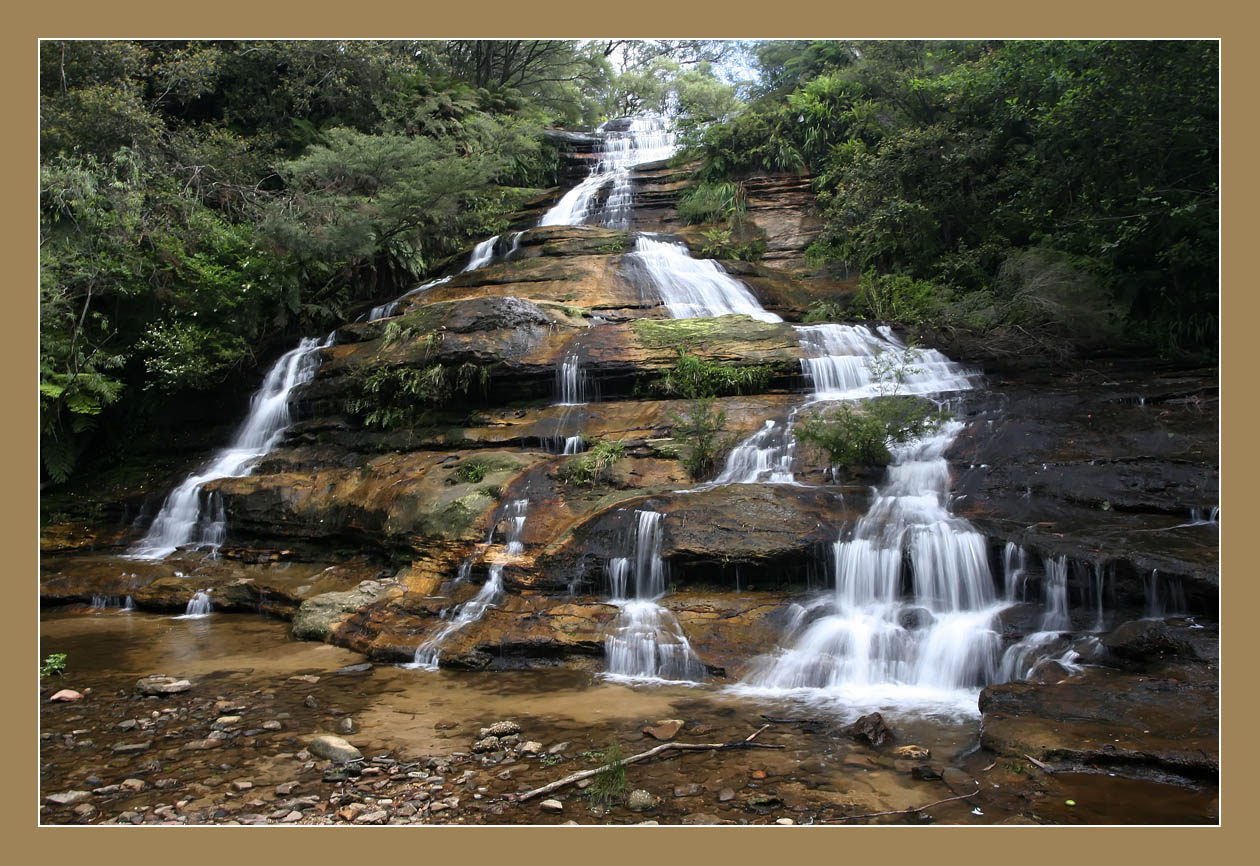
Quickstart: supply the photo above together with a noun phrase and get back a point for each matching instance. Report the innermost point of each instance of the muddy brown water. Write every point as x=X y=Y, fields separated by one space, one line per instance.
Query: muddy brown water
x=248 y=661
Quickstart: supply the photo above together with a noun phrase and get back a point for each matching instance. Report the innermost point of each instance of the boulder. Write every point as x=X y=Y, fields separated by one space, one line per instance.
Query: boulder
x=870 y=728
x=1146 y=640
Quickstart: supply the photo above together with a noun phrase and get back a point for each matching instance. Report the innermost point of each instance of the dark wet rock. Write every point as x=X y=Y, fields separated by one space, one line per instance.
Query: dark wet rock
x=355 y=669
x=1146 y=641
x=958 y=781
x=1121 y=722
x=871 y=729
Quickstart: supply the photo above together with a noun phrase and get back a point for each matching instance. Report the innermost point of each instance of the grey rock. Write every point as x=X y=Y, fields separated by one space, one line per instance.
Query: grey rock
x=68 y=798
x=552 y=806
x=161 y=685
x=334 y=749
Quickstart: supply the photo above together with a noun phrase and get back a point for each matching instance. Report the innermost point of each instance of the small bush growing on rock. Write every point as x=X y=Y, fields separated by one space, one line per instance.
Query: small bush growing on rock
x=829 y=310
x=859 y=437
x=701 y=427
x=721 y=201
x=55 y=663
x=592 y=466
x=390 y=397
x=471 y=471
x=695 y=378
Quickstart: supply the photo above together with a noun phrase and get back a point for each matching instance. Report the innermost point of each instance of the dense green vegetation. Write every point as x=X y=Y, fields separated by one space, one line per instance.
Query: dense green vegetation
x=1035 y=193
x=204 y=203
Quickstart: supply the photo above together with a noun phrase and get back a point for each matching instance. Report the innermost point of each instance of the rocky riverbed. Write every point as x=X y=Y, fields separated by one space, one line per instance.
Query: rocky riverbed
x=244 y=737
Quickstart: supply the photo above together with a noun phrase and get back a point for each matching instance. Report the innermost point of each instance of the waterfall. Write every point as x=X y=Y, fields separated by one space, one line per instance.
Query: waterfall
x=571 y=382
x=182 y=520
x=385 y=311
x=930 y=643
x=624 y=143
x=645 y=641
x=693 y=288
x=490 y=594
x=516 y=245
x=1170 y=602
x=1054 y=588
x=198 y=606
x=1015 y=568
x=1097 y=590
x=481 y=255
x=764 y=457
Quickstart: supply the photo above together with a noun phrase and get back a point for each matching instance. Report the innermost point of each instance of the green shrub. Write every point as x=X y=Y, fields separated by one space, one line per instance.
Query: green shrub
x=471 y=470
x=896 y=298
x=701 y=427
x=55 y=663
x=592 y=466
x=853 y=436
x=720 y=245
x=694 y=378
x=390 y=397
x=827 y=310
x=711 y=202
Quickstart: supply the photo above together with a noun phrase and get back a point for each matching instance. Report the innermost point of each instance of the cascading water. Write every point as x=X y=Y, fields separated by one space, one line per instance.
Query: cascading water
x=198 y=606
x=385 y=311
x=645 y=641
x=1015 y=567
x=490 y=594
x=182 y=520
x=693 y=288
x=933 y=649
x=571 y=382
x=624 y=143
x=1056 y=596
x=764 y=457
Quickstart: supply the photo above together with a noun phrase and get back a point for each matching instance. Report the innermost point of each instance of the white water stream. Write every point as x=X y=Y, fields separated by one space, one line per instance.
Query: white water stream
x=183 y=521
x=490 y=594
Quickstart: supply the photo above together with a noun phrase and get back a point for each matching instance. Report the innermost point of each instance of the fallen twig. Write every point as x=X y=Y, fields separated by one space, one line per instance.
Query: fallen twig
x=643 y=756
x=1043 y=767
x=754 y=734
x=902 y=811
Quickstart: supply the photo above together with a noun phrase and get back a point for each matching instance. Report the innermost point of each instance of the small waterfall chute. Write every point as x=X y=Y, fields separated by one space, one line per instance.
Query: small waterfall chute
x=184 y=519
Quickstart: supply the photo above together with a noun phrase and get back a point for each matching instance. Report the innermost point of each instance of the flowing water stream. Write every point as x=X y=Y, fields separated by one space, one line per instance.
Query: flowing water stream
x=187 y=520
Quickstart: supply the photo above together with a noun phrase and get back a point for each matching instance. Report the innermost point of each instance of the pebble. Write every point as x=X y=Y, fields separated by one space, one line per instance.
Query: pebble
x=551 y=806
x=284 y=789
x=640 y=800
x=785 y=821
x=557 y=749
x=67 y=695
x=726 y=795
x=531 y=748
x=689 y=790
x=346 y=725
x=334 y=749
x=292 y=817
x=68 y=798
x=132 y=784
x=242 y=785
x=664 y=729
x=500 y=729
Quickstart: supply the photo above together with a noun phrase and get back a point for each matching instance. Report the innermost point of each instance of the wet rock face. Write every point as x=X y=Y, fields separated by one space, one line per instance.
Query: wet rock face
x=1099 y=465
x=1106 y=719
x=1147 y=641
